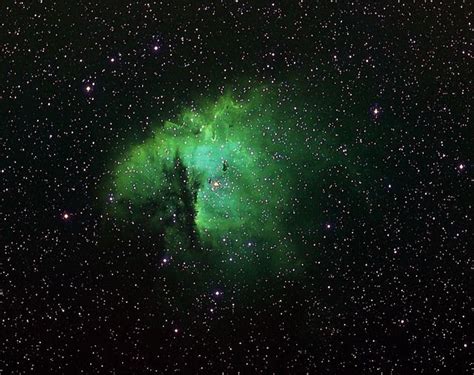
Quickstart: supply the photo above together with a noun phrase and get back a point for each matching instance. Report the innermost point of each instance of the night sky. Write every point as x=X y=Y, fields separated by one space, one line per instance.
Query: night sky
x=236 y=187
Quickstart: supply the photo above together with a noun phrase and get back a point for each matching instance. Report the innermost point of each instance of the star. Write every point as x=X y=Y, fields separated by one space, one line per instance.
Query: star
x=375 y=111
x=89 y=87
x=216 y=184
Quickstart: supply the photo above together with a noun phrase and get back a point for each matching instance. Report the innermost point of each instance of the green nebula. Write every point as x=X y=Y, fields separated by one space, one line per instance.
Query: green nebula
x=229 y=177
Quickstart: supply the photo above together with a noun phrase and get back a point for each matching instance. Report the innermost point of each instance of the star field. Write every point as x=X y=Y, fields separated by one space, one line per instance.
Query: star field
x=236 y=187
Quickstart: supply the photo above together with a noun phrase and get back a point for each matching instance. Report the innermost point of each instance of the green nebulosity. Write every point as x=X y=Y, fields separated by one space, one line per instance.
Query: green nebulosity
x=233 y=177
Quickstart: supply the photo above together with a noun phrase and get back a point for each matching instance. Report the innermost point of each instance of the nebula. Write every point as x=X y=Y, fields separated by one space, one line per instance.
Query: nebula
x=234 y=176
